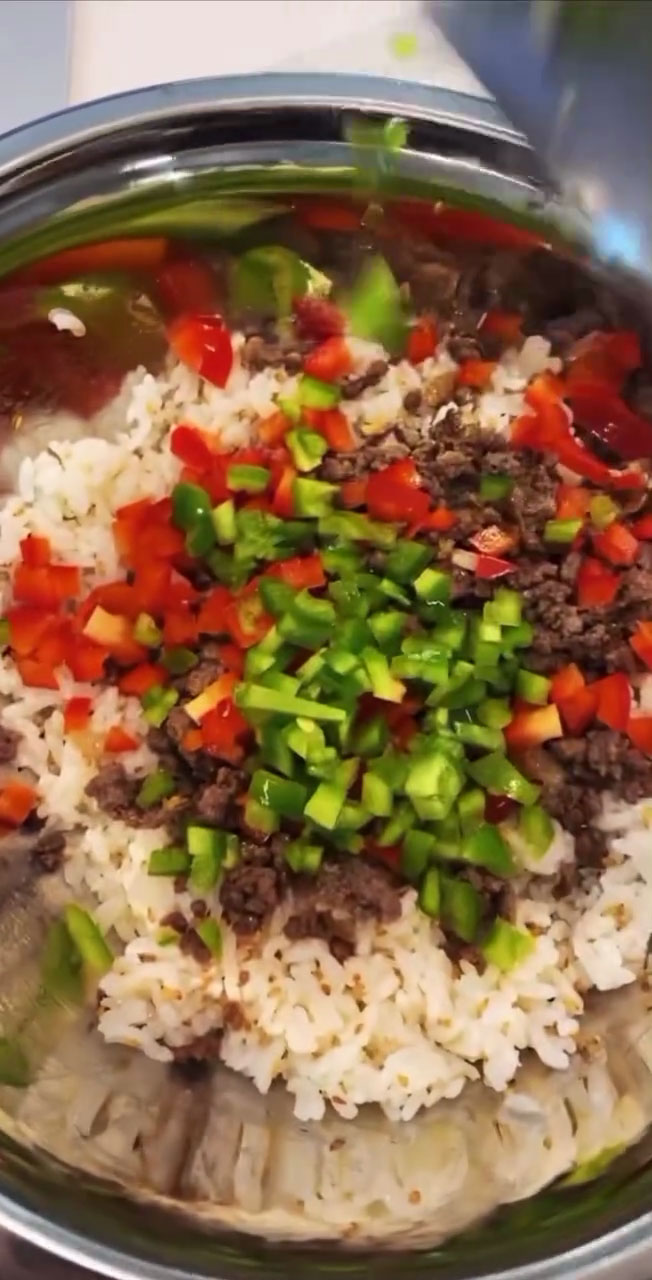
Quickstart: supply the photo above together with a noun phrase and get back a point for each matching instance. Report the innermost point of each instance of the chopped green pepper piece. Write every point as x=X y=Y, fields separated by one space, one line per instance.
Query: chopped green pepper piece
x=189 y=504
x=289 y=405
x=398 y=823
x=61 y=966
x=201 y=538
x=281 y=795
x=307 y=448
x=496 y=713
x=146 y=631
x=479 y=735
x=387 y=627
x=232 y=852
x=275 y=749
x=173 y=860
x=305 y=738
x=211 y=935
x=343 y=561
x=448 y=838
x=433 y=586
x=303 y=857
x=223 y=567
x=496 y=773
x=277 y=596
x=592 y=1167
x=519 y=637
x=392 y=767
x=407 y=559
x=14 y=1067
x=206 y=847
x=157 y=702
x=561 y=531
x=603 y=510
x=383 y=683
x=505 y=609
x=418 y=848
x=418 y=668
x=430 y=893
x=355 y=527
x=460 y=676
x=537 y=829
x=315 y=394
x=167 y=937
x=375 y=307
x=371 y=737
x=310 y=668
x=267 y=278
x=470 y=693
x=437 y=779
x=393 y=592
x=259 y=818
x=486 y=848
x=245 y=477
x=493 y=488
x=470 y=809
x=348 y=598
x=377 y=796
x=88 y=939
x=157 y=786
x=309 y=622
x=506 y=946
x=462 y=907
x=326 y=803
x=223 y=517
x=532 y=687
x=313 y=498
x=353 y=815
x=254 y=697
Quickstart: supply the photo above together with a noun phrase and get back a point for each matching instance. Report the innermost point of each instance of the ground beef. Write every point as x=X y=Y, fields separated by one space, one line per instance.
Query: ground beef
x=355 y=383
x=8 y=744
x=204 y=1048
x=48 y=851
x=213 y=802
x=190 y=944
x=251 y=891
x=606 y=760
x=175 y=920
x=337 y=467
x=262 y=351
x=115 y=792
x=345 y=893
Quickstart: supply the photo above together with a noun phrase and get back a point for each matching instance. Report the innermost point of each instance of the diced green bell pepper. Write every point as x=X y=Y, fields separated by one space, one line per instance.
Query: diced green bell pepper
x=260 y=818
x=532 y=687
x=341 y=561
x=497 y=774
x=495 y=488
x=505 y=608
x=86 y=935
x=470 y=809
x=326 y=803
x=398 y=823
x=371 y=736
x=375 y=307
x=561 y=531
x=190 y=503
x=433 y=586
x=313 y=499
x=485 y=847
x=430 y=893
x=462 y=907
x=307 y=448
x=506 y=946
x=156 y=787
x=479 y=735
x=387 y=627
x=303 y=857
x=210 y=933
x=383 y=683
x=495 y=713
x=377 y=796
x=146 y=631
x=224 y=524
x=406 y=560
x=418 y=848
x=282 y=795
x=352 y=526
x=537 y=829
x=173 y=860
x=313 y=393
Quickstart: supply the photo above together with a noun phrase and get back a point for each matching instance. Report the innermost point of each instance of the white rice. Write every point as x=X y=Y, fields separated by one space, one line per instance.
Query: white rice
x=396 y=1024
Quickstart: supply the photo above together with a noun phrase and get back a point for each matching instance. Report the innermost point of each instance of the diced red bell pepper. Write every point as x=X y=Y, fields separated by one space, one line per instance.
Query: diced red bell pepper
x=54 y=645
x=232 y=658
x=203 y=343
x=300 y=571
x=616 y=543
x=186 y=285
x=481 y=565
x=602 y=361
x=118 y=740
x=573 y=502
x=17 y=800
x=579 y=708
x=36 y=675
x=476 y=373
x=607 y=416
x=353 y=493
x=403 y=731
x=440 y=520
x=220 y=730
x=506 y=325
x=390 y=854
x=596 y=584
x=317 y=317
x=86 y=661
x=532 y=727
x=133 y=254
x=493 y=541
x=188 y=444
x=641 y=642
x=26 y=627
x=614 y=700
x=48 y=586
x=330 y=360
x=498 y=808
x=271 y=430
x=549 y=429
x=246 y=621
x=327 y=214
x=393 y=493
x=35 y=551
x=139 y=679
x=566 y=682
x=192 y=740
x=334 y=426
x=639 y=731
x=642 y=528
x=210 y=619
x=283 y=500
x=180 y=626
x=472 y=225
x=422 y=340
x=76 y=714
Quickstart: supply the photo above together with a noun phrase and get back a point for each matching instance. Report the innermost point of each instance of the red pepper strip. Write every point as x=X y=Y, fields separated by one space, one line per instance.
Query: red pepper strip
x=180 y=627
x=49 y=586
x=642 y=528
x=246 y=620
x=141 y=678
x=86 y=660
x=189 y=446
x=220 y=730
x=614 y=695
x=506 y=325
x=639 y=731
x=566 y=682
x=392 y=494
x=317 y=318
x=334 y=426
x=36 y=675
x=606 y=415
x=532 y=727
x=596 y=584
x=109 y=255
x=481 y=565
x=210 y=619
x=353 y=493
x=283 y=500
x=641 y=642
x=390 y=854
x=54 y=646
x=579 y=709
x=492 y=541
x=330 y=360
x=76 y=714
x=186 y=284
x=324 y=214
x=422 y=341
x=203 y=343
x=192 y=740
x=471 y=225
x=616 y=543
x=17 y=799
x=35 y=551
x=440 y=519
x=476 y=373
x=550 y=430
x=271 y=430
x=300 y=571
x=604 y=360
x=26 y=627
x=118 y=740
x=232 y=658
x=573 y=502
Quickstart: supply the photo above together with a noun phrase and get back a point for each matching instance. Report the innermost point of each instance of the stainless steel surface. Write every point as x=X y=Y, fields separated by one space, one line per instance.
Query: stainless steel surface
x=34 y=59
x=169 y=133
x=576 y=77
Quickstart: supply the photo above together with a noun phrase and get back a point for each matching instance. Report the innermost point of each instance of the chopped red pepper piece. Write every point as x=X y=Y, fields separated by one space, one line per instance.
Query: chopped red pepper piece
x=220 y=730
x=118 y=740
x=602 y=361
x=596 y=584
x=210 y=619
x=76 y=714
x=482 y=566
x=506 y=325
x=300 y=571
x=232 y=658
x=392 y=494
x=476 y=373
x=534 y=726
x=579 y=708
x=440 y=520
x=48 y=586
x=642 y=528
x=324 y=214
x=639 y=731
x=447 y=222
x=330 y=360
x=35 y=551
x=186 y=285
x=549 y=430
x=188 y=444
x=133 y=254
x=614 y=695
x=641 y=642
x=334 y=426
x=566 y=682
x=317 y=318
x=616 y=543
x=246 y=621
x=26 y=627
x=422 y=341
x=203 y=343
x=141 y=678
x=86 y=660
x=180 y=626
x=493 y=541
x=36 y=675
x=573 y=502
x=271 y=430
x=17 y=800
x=607 y=416
x=283 y=500
x=353 y=493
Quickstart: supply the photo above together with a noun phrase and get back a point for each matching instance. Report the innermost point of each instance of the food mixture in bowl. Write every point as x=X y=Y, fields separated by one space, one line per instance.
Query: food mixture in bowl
x=326 y=626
